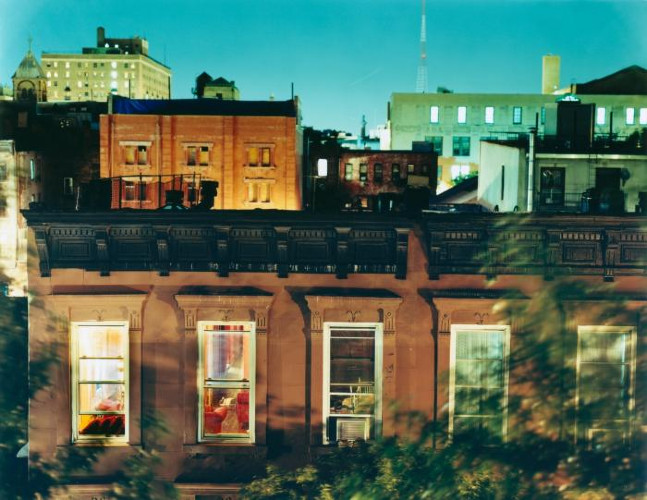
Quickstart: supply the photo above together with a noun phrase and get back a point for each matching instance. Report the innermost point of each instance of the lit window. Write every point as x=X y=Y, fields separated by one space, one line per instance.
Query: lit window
x=411 y=168
x=265 y=157
x=197 y=155
x=67 y=64
x=461 y=146
x=433 y=118
x=348 y=172
x=363 y=172
x=489 y=114
x=600 y=116
x=457 y=171
x=99 y=354
x=227 y=378
x=642 y=116
x=630 y=116
x=462 y=114
x=113 y=64
x=252 y=157
x=136 y=155
x=605 y=377
x=113 y=74
x=478 y=380
x=378 y=173
x=516 y=115
x=352 y=405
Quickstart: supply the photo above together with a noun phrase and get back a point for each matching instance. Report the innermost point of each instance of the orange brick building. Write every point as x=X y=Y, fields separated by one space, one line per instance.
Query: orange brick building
x=251 y=148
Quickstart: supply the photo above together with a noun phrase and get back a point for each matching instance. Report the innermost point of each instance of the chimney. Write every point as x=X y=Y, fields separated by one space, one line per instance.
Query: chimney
x=550 y=74
x=101 y=36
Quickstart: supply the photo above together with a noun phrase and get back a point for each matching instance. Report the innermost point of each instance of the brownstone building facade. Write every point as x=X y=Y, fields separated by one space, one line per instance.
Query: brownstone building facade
x=269 y=336
x=252 y=149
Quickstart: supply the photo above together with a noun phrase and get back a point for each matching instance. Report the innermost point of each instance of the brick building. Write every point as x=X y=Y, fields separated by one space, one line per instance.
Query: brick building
x=191 y=315
x=251 y=148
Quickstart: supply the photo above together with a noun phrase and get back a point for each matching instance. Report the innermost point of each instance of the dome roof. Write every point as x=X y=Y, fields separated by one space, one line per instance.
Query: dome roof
x=29 y=67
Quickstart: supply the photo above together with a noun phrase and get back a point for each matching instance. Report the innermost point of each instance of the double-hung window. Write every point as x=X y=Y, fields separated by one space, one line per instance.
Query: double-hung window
x=136 y=154
x=478 y=380
x=352 y=380
x=197 y=156
x=99 y=355
x=605 y=372
x=489 y=114
x=226 y=378
x=517 y=115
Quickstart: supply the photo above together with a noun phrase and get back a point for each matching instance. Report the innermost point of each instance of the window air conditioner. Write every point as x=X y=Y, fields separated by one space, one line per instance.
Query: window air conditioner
x=352 y=429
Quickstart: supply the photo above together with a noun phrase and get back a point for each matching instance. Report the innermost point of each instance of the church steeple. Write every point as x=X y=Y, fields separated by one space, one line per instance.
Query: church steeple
x=29 y=80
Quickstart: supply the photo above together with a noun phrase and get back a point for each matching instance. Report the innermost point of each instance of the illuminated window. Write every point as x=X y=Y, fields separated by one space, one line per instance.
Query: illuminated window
x=226 y=375
x=136 y=154
x=461 y=145
x=266 y=157
x=352 y=400
x=600 y=116
x=630 y=116
x=489 y=114
x=99 y=355
x=457 y=171
x=363 y=172
x=433 y=118
x=462 y=114
x=478 y=380
x=411 y=168
x=378 y=173
x=348 y=172
x=642 y=116
x=252 y=157
x=516 y=115
x=606 y=365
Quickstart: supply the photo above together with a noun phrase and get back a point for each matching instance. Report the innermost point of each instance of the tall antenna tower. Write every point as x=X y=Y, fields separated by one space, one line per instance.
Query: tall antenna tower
x=421 y=83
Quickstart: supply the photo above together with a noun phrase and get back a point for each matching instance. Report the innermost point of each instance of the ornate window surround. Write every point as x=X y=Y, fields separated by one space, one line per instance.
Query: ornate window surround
x=228 y=307
x=349 y=309
x=88 y=309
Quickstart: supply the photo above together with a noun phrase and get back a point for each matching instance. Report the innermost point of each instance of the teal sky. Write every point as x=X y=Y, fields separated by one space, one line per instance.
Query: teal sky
x=345 y=58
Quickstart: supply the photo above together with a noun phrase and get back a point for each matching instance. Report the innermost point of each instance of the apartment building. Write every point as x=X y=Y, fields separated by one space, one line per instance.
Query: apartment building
x=119 y=66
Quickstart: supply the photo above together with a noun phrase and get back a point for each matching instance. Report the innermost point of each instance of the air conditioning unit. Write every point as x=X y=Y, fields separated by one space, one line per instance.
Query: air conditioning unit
x=352 y=429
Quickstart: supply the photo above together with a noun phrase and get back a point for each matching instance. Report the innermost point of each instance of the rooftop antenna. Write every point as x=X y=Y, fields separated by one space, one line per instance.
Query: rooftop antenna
x=421 y=83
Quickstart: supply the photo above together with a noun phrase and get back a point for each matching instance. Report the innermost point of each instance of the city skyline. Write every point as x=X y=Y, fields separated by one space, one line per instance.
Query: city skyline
x=346 y=59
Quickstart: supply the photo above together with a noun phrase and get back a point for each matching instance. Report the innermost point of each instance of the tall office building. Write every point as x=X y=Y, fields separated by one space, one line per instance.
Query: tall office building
x=115 y=66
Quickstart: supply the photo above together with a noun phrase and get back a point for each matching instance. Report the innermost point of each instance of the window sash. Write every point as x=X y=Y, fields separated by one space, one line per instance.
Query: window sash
x=605 y=397
x=461 y=115
x=478 y=379
x=489 y=114
x=346 y=399
x=94 y=384
x=517 y=115
x=231 y=418
x=434 y=114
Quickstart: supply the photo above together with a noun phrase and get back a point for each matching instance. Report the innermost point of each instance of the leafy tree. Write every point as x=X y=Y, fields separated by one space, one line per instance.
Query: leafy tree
x=539 y=459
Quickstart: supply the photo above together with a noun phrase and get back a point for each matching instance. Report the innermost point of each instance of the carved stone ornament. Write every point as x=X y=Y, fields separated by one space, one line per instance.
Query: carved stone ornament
x=225 y=308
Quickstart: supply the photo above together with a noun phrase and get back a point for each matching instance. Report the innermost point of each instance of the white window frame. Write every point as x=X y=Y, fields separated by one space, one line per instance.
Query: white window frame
x=592 y=429
x=600 y=116
x=461 y=114
x=434 y=114
x=378 y=329
x=202 y=384
x=489 y=115
x=642 y=116
x=74 y=358
x=506 y=369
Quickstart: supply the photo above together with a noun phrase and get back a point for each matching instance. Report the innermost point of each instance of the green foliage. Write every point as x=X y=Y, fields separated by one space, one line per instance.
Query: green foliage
x=541 y=459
